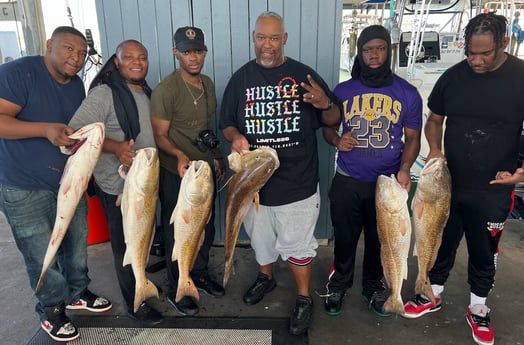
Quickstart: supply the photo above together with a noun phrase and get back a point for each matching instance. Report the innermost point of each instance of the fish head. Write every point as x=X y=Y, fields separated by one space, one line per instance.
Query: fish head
x=145 y=167
x=148 y=157
x=263 y=159
x=435 y=177
x=92 y=134
x=263 y=156
x=390 y=194
x=269 y=155
x=197 y=183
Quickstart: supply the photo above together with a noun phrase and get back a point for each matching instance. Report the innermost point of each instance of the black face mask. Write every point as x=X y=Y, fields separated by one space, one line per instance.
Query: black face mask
x=373 y=77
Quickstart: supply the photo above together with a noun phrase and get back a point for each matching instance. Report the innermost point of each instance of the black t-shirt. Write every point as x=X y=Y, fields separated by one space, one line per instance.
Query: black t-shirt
x=266 y=106
x=484 y=115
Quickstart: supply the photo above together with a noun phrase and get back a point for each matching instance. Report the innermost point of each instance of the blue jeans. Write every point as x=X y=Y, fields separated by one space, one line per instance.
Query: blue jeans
x=31 y=215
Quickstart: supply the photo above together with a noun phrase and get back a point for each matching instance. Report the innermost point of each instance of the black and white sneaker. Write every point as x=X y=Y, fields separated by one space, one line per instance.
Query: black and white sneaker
x=58 y=325
x=90 y=301
x=420 y=305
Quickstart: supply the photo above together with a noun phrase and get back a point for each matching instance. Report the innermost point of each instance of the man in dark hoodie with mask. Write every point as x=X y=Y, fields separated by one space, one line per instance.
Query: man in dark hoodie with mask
x=379 y=109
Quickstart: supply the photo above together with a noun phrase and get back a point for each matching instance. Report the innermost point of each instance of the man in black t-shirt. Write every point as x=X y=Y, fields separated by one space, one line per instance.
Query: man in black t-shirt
x=279 y=102
x=481 y=98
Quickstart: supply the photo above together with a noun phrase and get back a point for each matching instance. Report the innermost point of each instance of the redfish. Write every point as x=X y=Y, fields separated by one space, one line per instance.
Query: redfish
x=252 y=170
x=73 y=184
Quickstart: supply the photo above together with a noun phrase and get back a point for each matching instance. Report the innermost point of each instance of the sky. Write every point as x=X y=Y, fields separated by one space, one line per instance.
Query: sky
x=55 y=13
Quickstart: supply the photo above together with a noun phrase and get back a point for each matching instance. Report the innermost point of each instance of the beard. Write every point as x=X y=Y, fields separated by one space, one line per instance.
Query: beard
x=136 y=81
x=266 y=63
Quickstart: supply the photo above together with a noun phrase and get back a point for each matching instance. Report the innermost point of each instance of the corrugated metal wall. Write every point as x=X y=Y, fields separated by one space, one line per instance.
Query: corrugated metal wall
x=314 y=28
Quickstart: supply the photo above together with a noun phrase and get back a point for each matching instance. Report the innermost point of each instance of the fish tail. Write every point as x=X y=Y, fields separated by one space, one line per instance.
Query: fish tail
x=45 y=266
x=228 y=270
x=186 y=287
x=40 y=282
x=227 y=274
x=143 y=292
x=394 y=305
x=423 y=286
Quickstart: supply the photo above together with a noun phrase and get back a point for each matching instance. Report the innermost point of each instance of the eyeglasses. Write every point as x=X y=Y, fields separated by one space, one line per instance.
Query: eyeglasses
x=372 y=50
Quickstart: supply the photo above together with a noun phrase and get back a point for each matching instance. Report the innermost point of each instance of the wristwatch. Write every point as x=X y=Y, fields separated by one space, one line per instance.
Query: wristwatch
x=330 y=105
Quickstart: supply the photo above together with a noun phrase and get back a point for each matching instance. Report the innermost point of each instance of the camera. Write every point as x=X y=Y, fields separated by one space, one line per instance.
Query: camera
x=206 y=140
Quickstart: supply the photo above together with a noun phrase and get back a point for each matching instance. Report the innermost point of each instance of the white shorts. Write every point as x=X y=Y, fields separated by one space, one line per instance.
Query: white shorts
x=286 y=230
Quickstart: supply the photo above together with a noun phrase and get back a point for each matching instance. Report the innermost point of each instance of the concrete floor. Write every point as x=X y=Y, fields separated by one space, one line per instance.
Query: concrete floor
x=355 y=325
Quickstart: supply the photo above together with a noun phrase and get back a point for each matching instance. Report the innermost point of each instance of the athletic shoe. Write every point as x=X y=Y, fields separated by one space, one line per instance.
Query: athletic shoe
x=260 y=287
x=90 y=301
x=208 y=286
x=299 y=322
x=58 y=325
x=481 y=329
x=376 y=301
x=147 y=315
x=186 y=306
x=420 y=305
x=333 y=303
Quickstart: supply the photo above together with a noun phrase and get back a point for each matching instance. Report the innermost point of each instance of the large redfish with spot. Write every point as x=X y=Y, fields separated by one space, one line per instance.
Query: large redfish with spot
x=73 y=184
x=252 y=170
x=190 y=216
x=430 y=206
x=139 y=201
x=394 y=233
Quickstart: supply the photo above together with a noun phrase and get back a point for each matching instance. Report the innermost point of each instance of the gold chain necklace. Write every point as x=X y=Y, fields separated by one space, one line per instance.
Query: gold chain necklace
x=195 y=99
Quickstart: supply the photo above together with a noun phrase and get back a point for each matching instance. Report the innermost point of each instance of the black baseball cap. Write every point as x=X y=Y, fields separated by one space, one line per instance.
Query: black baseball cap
x=189 y=37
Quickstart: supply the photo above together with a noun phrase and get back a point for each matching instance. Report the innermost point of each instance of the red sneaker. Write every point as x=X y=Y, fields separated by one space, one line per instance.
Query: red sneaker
x=478 y=320
x=420 y=305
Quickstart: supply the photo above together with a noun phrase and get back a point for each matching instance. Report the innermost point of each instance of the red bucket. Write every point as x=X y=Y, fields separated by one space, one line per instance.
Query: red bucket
x=97 y=228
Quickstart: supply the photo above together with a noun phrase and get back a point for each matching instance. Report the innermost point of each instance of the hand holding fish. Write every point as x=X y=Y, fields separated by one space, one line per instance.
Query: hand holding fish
x=58 y=134
x=315 y=94
x=404 y=179
x=435 y=154
x=239 y=144
x=124 y=152
x=183 y=163
x=505 y=177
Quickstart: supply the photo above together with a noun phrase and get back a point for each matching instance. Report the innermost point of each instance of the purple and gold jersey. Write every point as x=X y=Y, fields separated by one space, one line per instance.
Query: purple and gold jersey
x=377 y=117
